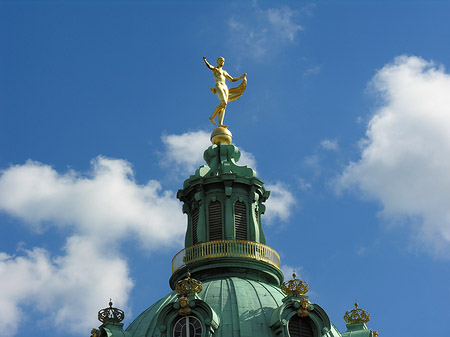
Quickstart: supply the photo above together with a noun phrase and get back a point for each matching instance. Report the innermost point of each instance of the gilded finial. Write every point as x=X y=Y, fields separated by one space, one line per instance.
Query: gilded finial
x=188 y=285
x=111 y=314
x=184 y=288
x=295 y=287
x=356 y=315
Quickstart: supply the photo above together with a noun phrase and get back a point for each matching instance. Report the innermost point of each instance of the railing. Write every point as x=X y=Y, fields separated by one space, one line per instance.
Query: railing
x=225 y=248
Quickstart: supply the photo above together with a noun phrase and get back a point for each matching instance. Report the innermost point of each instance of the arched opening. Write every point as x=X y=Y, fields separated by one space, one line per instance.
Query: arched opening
x=300 y=327
x=188 y=326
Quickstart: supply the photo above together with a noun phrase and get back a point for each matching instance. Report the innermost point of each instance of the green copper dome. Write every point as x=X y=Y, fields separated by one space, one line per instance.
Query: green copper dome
x=244 y=307
x=226 y=281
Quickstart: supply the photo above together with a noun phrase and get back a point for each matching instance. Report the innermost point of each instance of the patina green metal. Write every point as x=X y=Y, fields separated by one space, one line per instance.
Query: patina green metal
x=359 y=330
x=113 y=330
x=224 y=181
x=241 y=279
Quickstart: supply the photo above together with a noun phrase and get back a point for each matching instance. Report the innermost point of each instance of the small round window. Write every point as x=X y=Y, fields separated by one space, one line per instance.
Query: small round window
x=188 y=326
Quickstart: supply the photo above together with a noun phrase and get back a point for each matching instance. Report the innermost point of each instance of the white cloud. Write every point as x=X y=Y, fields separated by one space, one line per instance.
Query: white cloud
x=68 y=289
x=405 y=159
x=329 y=144
x=280 y=203
x=107 y=202
x=99 y=209
x=184 y=153
x=261 y=33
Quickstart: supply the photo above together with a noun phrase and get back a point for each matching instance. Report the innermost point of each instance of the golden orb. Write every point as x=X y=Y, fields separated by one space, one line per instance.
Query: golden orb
x=221 y=135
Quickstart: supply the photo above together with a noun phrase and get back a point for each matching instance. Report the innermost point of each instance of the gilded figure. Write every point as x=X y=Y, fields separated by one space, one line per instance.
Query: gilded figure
x=224 y=94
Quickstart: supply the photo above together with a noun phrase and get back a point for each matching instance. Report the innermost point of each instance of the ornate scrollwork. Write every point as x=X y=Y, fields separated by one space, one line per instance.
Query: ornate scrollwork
x=295 y=287
x=188 y=286
x=111 y=314
x=95 y=333
x=356 y=315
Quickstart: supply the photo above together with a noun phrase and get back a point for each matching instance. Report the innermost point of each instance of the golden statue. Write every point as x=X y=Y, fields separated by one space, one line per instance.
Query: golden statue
x=221 y=89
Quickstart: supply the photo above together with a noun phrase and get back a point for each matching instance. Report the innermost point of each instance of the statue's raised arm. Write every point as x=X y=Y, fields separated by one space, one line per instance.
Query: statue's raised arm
x=221 y=89
x=207 y=64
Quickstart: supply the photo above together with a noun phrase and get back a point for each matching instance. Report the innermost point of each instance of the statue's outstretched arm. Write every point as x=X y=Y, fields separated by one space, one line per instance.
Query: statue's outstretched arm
x=233 y=79
x=207 y=64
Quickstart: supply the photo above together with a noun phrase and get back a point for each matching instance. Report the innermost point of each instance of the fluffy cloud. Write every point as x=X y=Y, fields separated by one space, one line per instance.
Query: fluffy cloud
x=280 y=203
x=405 y=156
x=99 y=209
x=184 y=153
x=69 y=289
x=260 y=32
x=107 y=202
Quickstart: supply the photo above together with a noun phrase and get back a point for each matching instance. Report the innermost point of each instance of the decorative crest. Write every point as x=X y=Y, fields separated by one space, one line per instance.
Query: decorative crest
x=111 y=314
x=188 y=286
x=356 y=315
x=294 y=287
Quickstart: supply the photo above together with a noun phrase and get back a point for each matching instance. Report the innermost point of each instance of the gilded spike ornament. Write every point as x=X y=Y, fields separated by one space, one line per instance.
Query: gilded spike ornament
x=188 y=286
x=356 y=315
x=295 y=286
x=111 y=314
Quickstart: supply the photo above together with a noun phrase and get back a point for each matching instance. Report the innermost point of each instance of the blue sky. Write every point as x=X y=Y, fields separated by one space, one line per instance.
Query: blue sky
x=104 y=112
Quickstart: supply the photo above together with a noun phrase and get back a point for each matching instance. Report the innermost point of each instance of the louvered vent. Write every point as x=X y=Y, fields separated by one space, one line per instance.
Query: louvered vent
x=194 y=226
x=240 y=220
x=215 y=221
x=300 y=327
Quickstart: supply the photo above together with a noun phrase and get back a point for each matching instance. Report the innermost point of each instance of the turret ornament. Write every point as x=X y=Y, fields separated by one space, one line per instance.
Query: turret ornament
x=185 y=289
x=356 y=315
x=295 y=286
x=111 y=314
x=188 y=286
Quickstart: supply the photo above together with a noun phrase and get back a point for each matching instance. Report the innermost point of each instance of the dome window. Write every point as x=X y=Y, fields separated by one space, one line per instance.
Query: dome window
x=188 y=326
x=300 y=327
